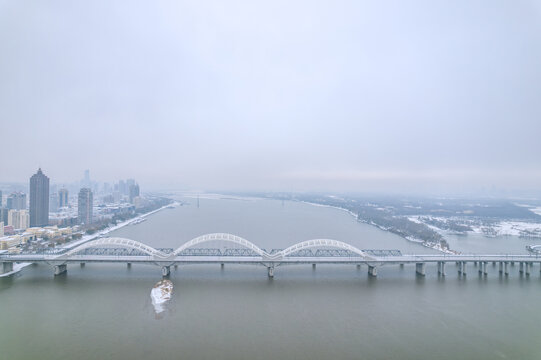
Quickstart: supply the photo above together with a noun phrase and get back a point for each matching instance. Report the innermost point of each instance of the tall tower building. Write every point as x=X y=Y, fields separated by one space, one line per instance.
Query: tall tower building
x=63 y=197
x=39 y=199
x=84 y=206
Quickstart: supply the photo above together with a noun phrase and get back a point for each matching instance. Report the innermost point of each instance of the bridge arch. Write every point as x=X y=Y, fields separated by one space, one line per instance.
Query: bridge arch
x=221 y=237
x=322 y=243
x=120 y=242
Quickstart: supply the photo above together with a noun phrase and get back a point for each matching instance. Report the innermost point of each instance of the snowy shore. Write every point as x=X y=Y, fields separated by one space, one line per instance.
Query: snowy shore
x=109 y=229
x=408 y=238
x=18 y=267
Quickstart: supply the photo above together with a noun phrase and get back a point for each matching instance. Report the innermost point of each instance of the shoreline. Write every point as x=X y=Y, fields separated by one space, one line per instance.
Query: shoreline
x=17 y=267
x=413 y=240
x=109 y=229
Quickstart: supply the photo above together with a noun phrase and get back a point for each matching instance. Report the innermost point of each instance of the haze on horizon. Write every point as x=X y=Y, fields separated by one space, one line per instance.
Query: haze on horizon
x=357 y=96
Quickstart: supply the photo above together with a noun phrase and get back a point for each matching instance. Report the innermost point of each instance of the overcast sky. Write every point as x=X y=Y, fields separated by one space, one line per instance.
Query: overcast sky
x=274 y=95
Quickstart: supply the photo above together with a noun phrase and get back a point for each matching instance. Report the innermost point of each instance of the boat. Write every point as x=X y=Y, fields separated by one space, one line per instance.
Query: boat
x=161 y=294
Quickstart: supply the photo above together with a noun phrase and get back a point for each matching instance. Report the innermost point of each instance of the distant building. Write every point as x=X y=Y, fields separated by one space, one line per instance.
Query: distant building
x=63 y=198
x=1 y=199
x=53 y=202
x=39 y=199
x=4 y=215
x=1 y=229
x=16 y=201
x=86 y=182
x=122 y=187
x=84 y=206
x=19 y=219
x=134 y=192
x=8 y=230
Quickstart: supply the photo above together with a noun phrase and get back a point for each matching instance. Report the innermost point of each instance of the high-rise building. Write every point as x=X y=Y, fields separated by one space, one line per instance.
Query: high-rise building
x=18 y=219
x=134 y=192
x=53 y=202
x=1 y=199
x=63 y=197
x=39 y=199
x=16 y=201
x=4 y=215
x=84 y=206
x=1 y=229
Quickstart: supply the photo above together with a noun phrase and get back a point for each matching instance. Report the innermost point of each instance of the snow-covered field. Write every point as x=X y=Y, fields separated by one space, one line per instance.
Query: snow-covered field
x=495 y=228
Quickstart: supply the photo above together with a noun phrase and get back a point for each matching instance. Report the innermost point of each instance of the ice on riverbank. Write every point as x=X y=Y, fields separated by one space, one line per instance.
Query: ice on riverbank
x=161 y=294
x=16 y=268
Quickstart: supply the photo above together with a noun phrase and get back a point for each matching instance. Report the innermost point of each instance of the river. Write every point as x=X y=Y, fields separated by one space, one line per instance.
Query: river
x=104 y=311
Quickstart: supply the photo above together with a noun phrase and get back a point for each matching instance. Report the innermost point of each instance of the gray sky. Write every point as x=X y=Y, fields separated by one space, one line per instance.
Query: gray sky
x=274 y=95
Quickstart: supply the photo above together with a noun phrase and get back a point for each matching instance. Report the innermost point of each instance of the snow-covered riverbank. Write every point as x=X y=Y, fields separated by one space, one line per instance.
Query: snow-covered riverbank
x=18 y=267
x=437 y=247
x=109 y=229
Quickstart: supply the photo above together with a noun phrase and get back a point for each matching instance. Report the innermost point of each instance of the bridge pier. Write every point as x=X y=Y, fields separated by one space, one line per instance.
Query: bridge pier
x=313 y=266
x=358 y=266
x=521 y=267
x=82 y=265
x=7 y=267
x=527 y=270
x=483 y=267
x=420 y=269
x=176 y=266
x=128 y=265
x=441 y=268
x=506 y=268
x=166 y=271
x=60 y=269
x=372 y=271
x=271 y=271
x=462 y=268
x=500 y=267
x=222 y=265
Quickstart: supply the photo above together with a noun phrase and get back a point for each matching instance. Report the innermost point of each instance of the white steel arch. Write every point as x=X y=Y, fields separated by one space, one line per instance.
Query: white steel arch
x=221 y=237
x=321 y=243
x=120 y=242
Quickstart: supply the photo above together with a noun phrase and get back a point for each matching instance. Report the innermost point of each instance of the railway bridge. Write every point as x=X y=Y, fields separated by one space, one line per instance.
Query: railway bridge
x=241 y=251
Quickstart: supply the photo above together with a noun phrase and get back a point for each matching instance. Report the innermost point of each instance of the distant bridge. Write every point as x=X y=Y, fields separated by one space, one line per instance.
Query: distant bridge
x=317 y=251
